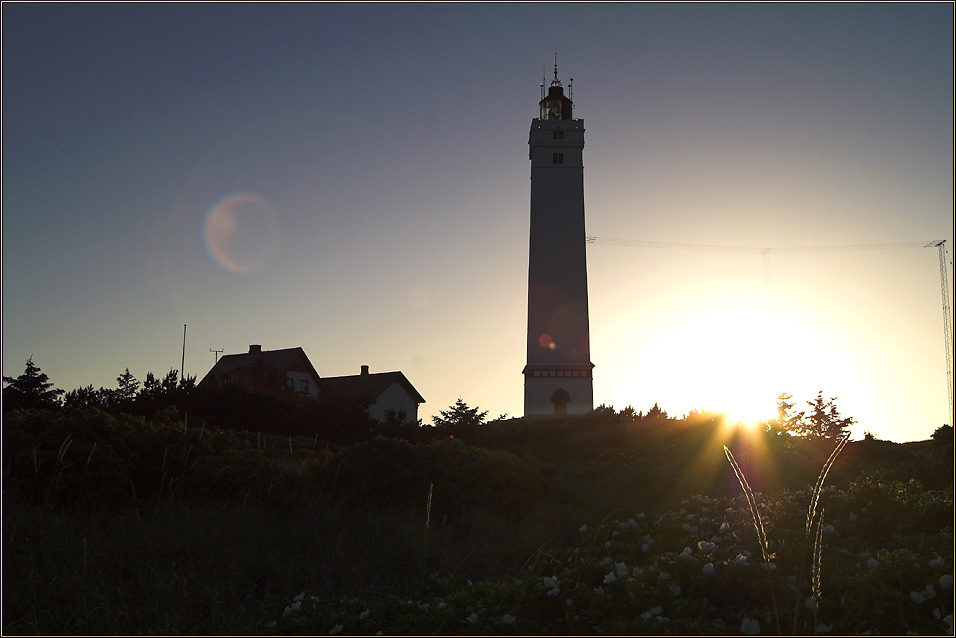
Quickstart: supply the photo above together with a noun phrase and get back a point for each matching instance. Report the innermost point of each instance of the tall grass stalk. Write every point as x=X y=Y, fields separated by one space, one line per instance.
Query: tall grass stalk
x=815 y=588
x=817 y=537
x=758 y=525
x=428 y=505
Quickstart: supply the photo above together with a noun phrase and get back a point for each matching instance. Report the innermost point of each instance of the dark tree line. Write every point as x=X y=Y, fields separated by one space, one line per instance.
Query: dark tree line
x=268 y=406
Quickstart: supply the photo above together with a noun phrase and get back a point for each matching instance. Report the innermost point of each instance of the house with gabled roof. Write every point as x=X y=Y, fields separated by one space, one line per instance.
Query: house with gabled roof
x=382 y=393
x=288 y=369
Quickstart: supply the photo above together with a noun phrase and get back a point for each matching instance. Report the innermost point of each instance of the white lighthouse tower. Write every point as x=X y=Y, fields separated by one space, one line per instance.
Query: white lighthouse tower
x=557 y=377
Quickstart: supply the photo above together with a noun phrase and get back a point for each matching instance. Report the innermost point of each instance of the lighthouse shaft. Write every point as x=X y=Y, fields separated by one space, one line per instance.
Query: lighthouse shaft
x=558 y=371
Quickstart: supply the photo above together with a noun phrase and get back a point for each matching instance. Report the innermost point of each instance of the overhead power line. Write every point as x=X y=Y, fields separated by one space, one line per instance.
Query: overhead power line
x=640 y=243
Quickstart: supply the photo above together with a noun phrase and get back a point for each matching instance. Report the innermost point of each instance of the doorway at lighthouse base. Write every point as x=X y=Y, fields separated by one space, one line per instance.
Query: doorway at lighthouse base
x=557 y=391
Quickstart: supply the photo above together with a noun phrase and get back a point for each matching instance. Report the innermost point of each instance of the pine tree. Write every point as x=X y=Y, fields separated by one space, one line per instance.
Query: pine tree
x=32 y=390
x=460 y=416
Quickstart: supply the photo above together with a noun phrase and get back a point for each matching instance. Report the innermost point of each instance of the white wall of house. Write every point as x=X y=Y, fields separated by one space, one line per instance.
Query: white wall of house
x=394 y=398
x=303 y=382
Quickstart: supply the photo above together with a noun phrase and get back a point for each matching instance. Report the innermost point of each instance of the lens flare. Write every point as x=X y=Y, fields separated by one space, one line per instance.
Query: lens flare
x=546 y=342
x=241 y=232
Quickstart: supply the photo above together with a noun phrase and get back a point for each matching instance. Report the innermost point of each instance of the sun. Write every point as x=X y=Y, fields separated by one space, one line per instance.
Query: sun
x=723 y=361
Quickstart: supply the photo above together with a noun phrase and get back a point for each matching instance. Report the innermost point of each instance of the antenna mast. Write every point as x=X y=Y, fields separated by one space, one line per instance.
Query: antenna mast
x=217 y=354
x=947 y=320
x=182 y=372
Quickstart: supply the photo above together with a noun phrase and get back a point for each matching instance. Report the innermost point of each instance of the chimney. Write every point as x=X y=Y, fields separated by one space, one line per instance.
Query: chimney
x=364 y=370
x=255 y=349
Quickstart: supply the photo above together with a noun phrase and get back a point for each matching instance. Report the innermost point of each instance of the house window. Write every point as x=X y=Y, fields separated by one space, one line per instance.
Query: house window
x=303 y=385
x=557 y=135
x=289 y=384
x=557 y=158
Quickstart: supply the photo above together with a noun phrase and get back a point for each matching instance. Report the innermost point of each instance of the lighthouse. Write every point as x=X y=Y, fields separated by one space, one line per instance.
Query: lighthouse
x=557 y=377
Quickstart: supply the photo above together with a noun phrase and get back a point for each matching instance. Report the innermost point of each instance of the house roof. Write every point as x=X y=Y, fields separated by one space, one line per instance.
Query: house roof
x=368 y=386
x=247 y=364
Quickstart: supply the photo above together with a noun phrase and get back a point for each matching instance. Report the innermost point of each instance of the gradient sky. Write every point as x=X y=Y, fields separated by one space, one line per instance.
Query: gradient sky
x=366 y=168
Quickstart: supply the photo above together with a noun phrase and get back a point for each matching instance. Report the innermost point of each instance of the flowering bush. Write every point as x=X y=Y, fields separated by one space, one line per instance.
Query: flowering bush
x=658 y=574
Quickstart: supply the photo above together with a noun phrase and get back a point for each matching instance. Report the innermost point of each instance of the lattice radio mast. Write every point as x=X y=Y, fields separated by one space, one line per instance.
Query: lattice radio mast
x=947 y=321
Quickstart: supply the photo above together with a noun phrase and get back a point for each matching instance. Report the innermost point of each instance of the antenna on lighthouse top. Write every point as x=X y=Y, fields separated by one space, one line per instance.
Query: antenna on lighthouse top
x=542 y=80
x=555 y=81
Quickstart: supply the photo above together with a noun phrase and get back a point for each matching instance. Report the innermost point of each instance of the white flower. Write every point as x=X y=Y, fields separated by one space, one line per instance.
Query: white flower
x=297 y=605
x=599 y=591
x=872 y=563
x=508 y=619
x=724 y=527
x=664 y=576
x=583 y=528
x=708 y=568
x=824 y=629
x=271 y=624
x=917 y=597
x=299 y=598
x=706 y=546
x=946 y=581
x=621 y=569
x=287 y=612
x=749 y=627
x=441 y=605
x=770 y=567
x=610 y=578
x=741 y=560
x=687 y=552
x=810 y=603
x=473 y=618
x=335 y=630
x=936 y=563
x=929 y=591
x=675 y=589
x=650 y=613
x=828 y=529
x=365 y=614
x=852 y=518
x=645 y=547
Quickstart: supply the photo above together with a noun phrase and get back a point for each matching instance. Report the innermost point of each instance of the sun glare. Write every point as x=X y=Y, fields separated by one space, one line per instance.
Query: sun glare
x=733 y=361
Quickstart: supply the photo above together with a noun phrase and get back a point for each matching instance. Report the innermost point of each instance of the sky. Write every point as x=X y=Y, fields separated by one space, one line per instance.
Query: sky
x=353 y=179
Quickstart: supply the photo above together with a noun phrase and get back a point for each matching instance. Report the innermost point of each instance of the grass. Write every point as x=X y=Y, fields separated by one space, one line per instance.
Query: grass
x=118 y=525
